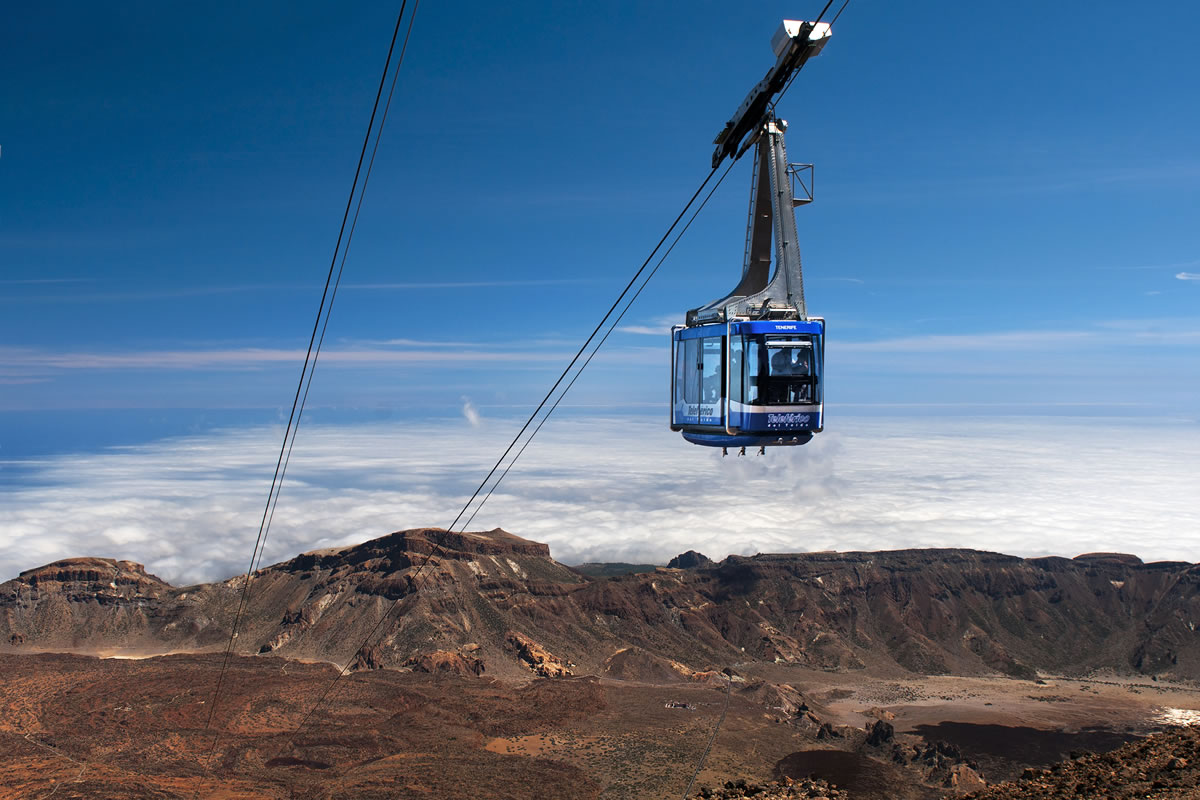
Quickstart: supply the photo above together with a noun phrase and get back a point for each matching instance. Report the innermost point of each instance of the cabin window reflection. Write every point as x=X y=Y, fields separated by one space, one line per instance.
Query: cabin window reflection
x=781 y=370
x=751 y=371
x=712 y=383
x=735 y=369
x=680 y=370
x=687 y=372
x=699 y=374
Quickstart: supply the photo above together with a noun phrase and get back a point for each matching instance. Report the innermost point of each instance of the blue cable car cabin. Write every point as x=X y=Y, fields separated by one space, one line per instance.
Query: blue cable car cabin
x=746 y=370
x=748 y=382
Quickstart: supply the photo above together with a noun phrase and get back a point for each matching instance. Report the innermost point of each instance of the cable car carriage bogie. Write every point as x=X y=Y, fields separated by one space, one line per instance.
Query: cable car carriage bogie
x=747 y=369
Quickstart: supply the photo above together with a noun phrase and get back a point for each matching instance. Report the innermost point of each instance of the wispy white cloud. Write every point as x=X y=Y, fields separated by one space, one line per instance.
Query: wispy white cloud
x=466 y=284
x=471 y=413
x=1154 y=331
x=1172 y=265
x=131 y=295
x=621 y=489
x=1188 y=276
x=421 y=343
x=255 y=357
x=181 y=292
x=19 y=281
x=645 y=330
x=1003 y=340
x=658 y=326
x=1134 y=332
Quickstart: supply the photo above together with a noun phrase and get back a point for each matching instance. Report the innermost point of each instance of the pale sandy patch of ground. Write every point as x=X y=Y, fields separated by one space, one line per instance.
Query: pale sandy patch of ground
x=1119 y=703
x=1178 y=716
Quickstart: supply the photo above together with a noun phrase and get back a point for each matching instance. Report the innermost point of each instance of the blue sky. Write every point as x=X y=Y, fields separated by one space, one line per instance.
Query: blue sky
x=1005 y=221
x=1013 y=190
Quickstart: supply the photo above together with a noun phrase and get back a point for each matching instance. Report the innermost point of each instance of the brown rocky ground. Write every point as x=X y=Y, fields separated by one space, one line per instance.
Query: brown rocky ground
x=1163 y=766
x=787 y=789
x=84 y=727
x=908 y=675
x=91 y=728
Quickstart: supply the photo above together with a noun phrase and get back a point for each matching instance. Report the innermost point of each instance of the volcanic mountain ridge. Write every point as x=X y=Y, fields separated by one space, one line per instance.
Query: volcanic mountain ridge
x=496 y=603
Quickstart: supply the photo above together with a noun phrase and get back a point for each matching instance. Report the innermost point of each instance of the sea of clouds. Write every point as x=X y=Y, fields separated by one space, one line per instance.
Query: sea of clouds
x=619 y=489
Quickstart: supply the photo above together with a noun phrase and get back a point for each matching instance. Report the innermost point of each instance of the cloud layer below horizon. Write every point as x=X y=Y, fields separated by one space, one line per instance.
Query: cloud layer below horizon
x=622 y=489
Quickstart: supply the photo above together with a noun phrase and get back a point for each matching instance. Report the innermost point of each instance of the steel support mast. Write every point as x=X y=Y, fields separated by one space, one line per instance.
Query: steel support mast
x=759 y=295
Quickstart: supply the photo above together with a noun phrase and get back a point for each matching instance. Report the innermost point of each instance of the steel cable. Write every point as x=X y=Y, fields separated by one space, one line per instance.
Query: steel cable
x=437 y=545
x=541 y=405
x=711 y=739
x=309 y=366
x=600 y=344
x=341 y=266
x=412 y=580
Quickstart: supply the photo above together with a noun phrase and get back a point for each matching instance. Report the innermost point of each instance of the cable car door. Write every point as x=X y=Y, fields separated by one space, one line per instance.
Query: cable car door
x=698 y=375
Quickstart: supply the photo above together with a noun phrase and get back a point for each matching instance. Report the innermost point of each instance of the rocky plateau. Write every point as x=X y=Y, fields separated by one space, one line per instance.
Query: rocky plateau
x=838 y=667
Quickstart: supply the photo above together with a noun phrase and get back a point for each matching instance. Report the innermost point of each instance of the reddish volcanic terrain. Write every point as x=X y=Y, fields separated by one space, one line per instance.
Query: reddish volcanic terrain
x=502 y=673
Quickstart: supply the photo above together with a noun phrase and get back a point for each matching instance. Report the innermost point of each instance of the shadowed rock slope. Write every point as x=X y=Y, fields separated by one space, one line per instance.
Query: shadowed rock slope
x=494 y=602
x=1166 y=767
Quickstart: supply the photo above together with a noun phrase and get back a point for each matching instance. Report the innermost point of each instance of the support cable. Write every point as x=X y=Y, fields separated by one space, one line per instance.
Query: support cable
x=438 y=544
x=595 y=350
x=553 y=389
x=639 y=291
x=840 y=10
x=341 y=266
x=792 y=79
x=711 y=739
x=449 y=529
x=319 y=324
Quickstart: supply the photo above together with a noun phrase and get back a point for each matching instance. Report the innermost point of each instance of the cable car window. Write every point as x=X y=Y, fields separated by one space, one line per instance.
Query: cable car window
x=789 y=365
x=712 y=386
x=735 y=368
x=751 y=371
x=687 y=374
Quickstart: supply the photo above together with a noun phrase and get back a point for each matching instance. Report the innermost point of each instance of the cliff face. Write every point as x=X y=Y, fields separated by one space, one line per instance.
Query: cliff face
x=67 y=604
x=925 y=610
x=318 y=605
x=962 y=611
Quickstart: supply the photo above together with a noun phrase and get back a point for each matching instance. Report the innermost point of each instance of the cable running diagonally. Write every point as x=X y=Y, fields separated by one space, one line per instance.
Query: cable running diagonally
x=438 y=544
x=792 y=79
x=711 y=739
x=553 y=389
x=630 y=303
x=341 y=266
x=840 y=10
x=305 y=373
x=600 y=344
x=517 y=438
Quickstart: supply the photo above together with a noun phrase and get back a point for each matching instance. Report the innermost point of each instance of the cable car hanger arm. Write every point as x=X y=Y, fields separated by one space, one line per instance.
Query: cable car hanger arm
x=794 y=44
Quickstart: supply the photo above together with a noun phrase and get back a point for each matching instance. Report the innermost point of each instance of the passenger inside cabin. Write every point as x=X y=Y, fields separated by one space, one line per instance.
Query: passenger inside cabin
x=800 y=363
x=790 y=361
x=794 y=363
x=781 y=362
